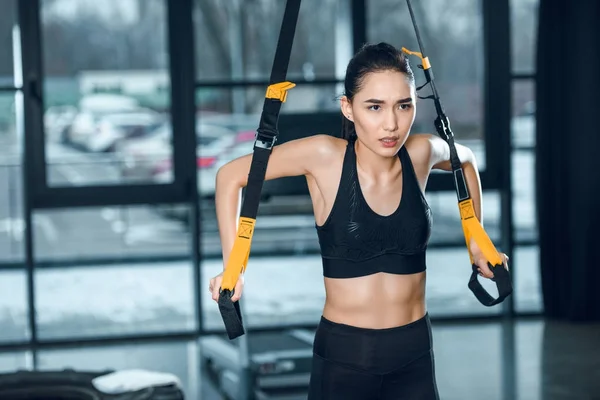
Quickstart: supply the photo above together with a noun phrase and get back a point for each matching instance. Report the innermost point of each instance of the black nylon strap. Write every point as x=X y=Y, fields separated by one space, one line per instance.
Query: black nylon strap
x=285 y=41
x=442 y=126
x=231 y=314
x=265 y=139
x=256 y=178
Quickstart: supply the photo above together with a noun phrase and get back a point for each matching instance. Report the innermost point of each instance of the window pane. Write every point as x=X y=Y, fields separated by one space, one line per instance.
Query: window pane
x=278 y=291
x=454 y=41
x=10 y=362
x=8 y=23
x=523 y=114
x=14 y=320
x=11 y=199
x=106 y=88
x=528 y=289
x=524 y=206
x=108 y=232
x=237 y=40
x=285 y=226
x=523 y=25
x=447 y=227
x=115 y=300
x=449 y=270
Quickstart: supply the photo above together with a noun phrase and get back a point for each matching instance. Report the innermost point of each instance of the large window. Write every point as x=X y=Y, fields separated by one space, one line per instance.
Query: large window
x=109 y=258
x=97 y=268
x=14 y=324
x=111 y=233
x=10 y=362
x=113 y=300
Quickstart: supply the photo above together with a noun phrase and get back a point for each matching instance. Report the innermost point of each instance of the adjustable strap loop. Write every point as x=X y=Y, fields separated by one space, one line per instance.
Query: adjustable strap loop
x=473 y=230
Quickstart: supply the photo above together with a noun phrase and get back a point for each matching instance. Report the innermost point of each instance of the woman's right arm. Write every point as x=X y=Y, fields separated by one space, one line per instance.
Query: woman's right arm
x=294 y=158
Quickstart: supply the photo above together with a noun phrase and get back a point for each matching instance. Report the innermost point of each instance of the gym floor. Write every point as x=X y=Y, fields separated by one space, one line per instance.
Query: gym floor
x=530 y=359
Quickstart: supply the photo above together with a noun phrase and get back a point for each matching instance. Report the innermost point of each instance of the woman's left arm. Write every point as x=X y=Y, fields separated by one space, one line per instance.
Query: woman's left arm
x=440 y=159
x=434 y=153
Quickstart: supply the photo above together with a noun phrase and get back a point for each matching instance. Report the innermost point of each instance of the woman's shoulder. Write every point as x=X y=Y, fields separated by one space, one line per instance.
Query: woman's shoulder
x=418 y=146
x=327 y=141
x=323 y=145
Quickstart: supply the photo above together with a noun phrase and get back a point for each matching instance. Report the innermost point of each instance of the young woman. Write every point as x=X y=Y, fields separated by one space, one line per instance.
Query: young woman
x=373 y=222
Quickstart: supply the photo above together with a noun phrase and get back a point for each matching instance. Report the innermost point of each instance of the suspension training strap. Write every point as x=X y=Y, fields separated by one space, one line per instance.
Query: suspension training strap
x=472 y=228
x=266 y=137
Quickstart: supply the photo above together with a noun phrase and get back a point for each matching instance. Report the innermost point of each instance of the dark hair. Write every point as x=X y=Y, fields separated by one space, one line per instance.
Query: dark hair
x=371 y=58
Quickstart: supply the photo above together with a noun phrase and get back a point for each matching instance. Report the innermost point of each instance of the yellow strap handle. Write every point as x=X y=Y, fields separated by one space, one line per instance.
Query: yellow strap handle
x=238 y=259
x=472 y=229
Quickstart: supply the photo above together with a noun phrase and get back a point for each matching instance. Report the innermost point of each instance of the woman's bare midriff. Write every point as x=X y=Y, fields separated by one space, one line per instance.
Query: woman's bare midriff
x=376 y=301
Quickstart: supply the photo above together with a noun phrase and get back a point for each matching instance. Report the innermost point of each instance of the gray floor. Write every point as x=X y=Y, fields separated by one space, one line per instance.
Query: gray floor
x=527 y=360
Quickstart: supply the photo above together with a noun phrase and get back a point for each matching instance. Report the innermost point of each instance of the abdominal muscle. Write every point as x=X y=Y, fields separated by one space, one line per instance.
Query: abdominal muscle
x=377 y=301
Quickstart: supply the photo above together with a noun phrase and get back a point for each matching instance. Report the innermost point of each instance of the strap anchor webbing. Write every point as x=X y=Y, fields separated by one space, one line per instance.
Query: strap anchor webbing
x=266 y=136
x=472 y=228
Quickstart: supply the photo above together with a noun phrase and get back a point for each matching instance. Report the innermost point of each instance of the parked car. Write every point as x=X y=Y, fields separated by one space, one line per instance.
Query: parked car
x=56 y=120
x=91 y=109
x=115 y=127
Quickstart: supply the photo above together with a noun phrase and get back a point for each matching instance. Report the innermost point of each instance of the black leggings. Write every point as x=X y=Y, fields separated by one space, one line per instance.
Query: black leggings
x=352 y=363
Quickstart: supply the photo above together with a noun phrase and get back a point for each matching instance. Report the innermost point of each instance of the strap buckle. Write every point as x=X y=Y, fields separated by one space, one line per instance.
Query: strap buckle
x=265 y=139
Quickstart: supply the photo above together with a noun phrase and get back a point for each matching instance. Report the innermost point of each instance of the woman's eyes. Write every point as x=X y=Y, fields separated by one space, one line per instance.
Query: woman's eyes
x=405 y=106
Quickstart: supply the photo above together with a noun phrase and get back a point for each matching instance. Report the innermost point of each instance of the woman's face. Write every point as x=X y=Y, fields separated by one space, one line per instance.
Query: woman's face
x=383 y=111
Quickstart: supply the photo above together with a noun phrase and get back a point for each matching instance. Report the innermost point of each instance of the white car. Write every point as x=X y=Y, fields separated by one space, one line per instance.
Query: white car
x=116 y=127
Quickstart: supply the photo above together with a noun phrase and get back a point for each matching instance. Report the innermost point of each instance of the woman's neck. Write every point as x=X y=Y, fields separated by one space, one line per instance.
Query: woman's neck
x=375 y=165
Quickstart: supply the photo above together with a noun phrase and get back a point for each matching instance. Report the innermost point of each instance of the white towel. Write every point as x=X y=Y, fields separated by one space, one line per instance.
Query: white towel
x=124 y=381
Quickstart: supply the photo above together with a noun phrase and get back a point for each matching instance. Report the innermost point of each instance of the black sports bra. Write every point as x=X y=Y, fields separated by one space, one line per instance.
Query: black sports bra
x=355 y=241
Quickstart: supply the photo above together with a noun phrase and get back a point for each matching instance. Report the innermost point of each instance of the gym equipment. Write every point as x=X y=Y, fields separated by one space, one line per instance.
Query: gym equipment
x=69 y=384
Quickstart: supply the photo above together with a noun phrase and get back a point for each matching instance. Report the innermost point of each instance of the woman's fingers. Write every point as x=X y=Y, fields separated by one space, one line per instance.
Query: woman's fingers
x=484 y=269
x=215 y=286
